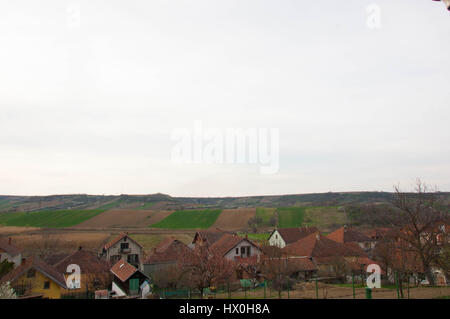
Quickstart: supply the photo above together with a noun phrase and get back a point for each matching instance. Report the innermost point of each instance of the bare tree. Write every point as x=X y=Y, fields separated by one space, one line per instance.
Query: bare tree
x=277 y=268
x=421 y=214
x=205 y=268
x=6 y=291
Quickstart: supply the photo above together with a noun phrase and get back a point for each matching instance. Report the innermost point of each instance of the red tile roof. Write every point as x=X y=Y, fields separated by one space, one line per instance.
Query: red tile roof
x=35 y=263
x=291 y=235
x=123 y=270
x=8 y=247
x=88 y=261
x=347 y=235
x=209 y=236
x=227 y=243
x=294 y=263
x=117 y=239
x=317 y=245
x=170 y=250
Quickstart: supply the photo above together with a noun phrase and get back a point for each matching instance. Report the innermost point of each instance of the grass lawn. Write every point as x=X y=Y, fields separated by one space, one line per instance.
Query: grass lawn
x=290 y=216
x=48 y=219
x=265 y=213
x=189 y=219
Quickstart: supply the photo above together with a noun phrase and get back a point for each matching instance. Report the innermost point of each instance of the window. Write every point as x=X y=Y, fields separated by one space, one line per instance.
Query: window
x=31 y=273
x=248 y=250
x=124 y=246
x=237 y=251
x=46 y=284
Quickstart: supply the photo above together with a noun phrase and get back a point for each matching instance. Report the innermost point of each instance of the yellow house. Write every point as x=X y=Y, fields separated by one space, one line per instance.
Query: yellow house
x=36 y=278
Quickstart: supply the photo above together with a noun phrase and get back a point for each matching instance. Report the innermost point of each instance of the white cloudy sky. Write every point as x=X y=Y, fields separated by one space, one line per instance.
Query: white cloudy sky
x=90 y=108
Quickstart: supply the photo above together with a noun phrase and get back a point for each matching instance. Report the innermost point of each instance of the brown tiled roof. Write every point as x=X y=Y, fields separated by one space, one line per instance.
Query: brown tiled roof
x=168 y=251
x=54 y=258
x=316 y=245
x=227 y=243
x=209 y=236
x=376 y=233
x=347 y=235
x=88 y=261
x=118 y=238
x=39 y=265
x=291 y=235
x=295 y=263
x=123 y=270
x=8 y=247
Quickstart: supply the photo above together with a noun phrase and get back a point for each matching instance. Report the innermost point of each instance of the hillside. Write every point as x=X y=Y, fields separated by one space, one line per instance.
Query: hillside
x=167 y=202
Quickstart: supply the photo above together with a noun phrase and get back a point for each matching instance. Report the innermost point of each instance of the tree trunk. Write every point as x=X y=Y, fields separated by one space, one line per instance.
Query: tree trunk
x=430 y=276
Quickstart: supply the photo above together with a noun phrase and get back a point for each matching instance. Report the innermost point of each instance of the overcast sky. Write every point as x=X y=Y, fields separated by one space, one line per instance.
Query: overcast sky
x=88 y=102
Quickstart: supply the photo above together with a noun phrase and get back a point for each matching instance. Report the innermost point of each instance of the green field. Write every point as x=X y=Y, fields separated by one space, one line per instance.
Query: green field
x=290 y=216
x=265 y=213
x=324 y=217
x=259 y=237
x=48 y=219
x=189 y=219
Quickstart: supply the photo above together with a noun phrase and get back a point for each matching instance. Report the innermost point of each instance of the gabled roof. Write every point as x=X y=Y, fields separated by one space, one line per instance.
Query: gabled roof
x=227 y=242
x=291 y=235
x=347 y=235
x=316 y=245
x=117 y=239
x=209 y=236
x=170 y=250
x=8 y=247
x=54 y=258
x=123 y=270
x=89 y=262
x=35 y=263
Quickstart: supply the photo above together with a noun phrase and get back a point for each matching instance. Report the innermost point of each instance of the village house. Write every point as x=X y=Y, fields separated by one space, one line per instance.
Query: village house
x=94 y=271
x=233 y=247
x=164 y=256
x=129 y=281
x=332 y=258
x=9 y=252
x=208 y=237
x=123 y=247
x=282 y=237
x=345 y=235
x=34 y=277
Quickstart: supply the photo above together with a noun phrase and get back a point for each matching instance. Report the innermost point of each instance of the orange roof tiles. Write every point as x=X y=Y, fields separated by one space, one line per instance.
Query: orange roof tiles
x=123 y=270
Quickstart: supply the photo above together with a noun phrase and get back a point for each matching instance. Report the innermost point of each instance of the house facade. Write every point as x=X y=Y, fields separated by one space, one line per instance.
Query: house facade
x=9 y=252
x=34 y=277
x=129 y=281
x=233 y=247
x=282 y=237
x=123 y=247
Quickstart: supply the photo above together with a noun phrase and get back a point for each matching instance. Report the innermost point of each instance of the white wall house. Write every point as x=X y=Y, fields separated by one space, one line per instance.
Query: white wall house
x=243 y=249
x=276 y=239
